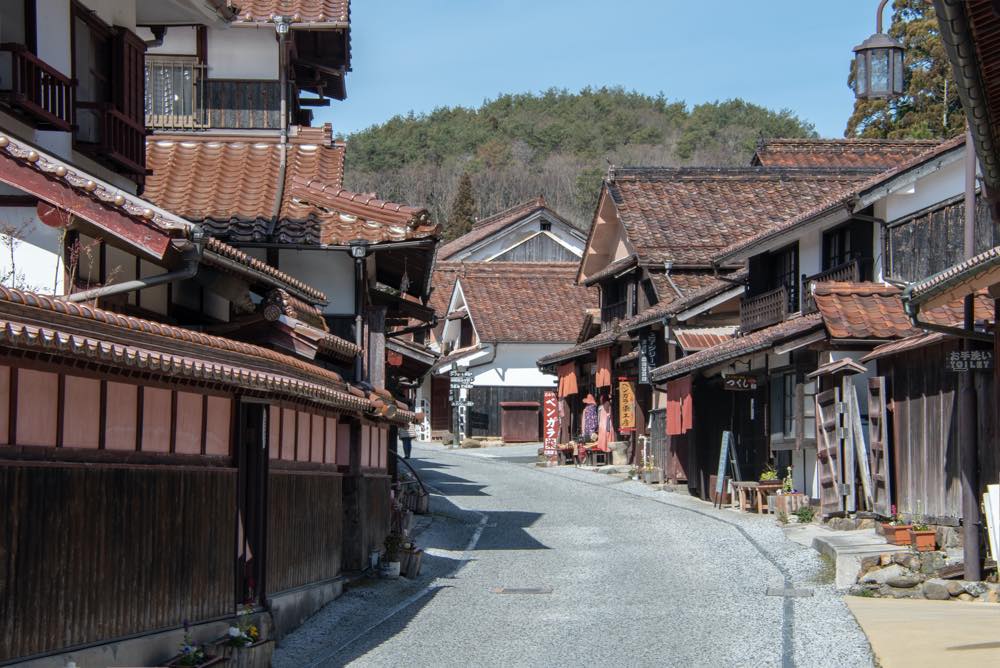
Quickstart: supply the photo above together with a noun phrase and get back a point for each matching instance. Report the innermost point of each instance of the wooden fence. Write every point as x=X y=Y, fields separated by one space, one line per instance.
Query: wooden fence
x=90 y=554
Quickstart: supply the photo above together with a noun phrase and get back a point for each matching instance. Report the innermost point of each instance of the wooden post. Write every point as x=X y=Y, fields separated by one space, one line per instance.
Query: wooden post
x=376 y=346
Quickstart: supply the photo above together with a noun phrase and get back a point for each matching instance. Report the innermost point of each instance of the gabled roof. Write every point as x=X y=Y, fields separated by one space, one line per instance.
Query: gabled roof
x=229 y=183
x=524 y=302
x=336 y=12
x=853 y=152
x=688 y=215
x=491 y=225
x=979 y=271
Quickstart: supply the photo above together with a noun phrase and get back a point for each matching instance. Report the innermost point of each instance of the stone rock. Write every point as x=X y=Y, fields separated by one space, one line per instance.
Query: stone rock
x=965 y=597
x=885 y=558
x=866 y=524
x=948 y=537
x=896 y=592
x=907 y=560
x=903 y=581
x=955 y=587
x=990 y=597
x=975 y=588
x=882 y=575
x=937 y=590
x=868 y=563
x=931 y=562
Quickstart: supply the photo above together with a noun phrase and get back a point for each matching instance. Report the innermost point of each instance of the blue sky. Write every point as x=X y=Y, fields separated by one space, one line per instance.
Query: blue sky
x=421 y=54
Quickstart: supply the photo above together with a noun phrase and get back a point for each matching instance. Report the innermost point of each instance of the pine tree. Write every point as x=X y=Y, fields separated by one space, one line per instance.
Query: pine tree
x=463 y=210
x=929 y=107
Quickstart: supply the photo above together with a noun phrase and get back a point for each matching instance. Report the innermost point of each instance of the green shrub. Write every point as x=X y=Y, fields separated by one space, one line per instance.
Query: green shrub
x=806 y=514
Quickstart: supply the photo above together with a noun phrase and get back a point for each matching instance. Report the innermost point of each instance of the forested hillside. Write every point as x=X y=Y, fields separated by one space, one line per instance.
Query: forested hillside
x=558 y=144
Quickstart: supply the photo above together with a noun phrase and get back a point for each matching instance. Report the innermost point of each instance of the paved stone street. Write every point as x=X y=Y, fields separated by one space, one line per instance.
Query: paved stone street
x=611 y=572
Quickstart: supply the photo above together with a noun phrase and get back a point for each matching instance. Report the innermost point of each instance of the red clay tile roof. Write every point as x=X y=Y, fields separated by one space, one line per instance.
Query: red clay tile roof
x=517 y=302
x=215 y=248
x=688 y=215
x=875 y=311
x=842 y=198
x=874 y=153
x=495 y=223
x=442 y=286
x=307 y=11
x=905 y=345
x=692 y=339
x=740 y=346
x=612 y=269
x=711 y=287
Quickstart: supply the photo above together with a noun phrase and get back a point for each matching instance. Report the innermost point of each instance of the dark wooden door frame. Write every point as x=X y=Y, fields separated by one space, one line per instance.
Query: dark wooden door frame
x=252 y=459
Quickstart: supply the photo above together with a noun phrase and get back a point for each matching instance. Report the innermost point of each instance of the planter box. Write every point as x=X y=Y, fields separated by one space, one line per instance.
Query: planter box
x=653 y=477
x=923 y=541
x=209 y=661
x=257 y=655
x=786 y=503
x=897 y=535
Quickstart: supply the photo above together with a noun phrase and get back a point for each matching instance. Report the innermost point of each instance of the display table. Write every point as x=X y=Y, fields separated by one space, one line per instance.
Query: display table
x=746 y=494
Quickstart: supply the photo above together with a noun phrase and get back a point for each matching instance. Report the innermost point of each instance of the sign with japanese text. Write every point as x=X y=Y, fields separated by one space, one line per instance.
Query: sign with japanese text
x=550 y=421
x=647 y=355
x=737 y=383
x=966 y=360
x=626 y=405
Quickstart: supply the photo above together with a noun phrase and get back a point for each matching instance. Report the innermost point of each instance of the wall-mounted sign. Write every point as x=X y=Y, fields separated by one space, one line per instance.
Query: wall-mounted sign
x=647 y=355
x=393 y=358
x=737 y=383
x=626 y=405
x=965 y=360
x=550 y=418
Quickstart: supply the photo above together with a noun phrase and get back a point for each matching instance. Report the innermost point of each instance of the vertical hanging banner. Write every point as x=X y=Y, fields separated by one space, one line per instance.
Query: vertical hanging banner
x=626 y=405
x=550 y=418
x=647 y=355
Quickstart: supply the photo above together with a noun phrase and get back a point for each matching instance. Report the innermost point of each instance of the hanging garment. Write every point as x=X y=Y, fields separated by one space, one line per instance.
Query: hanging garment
x=589 y=420
x=602 y=378
x=605 y=430
x=679 y=406
x=567 y=379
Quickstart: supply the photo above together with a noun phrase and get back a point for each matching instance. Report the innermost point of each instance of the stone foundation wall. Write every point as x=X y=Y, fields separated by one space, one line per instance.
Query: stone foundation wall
x=913 y=575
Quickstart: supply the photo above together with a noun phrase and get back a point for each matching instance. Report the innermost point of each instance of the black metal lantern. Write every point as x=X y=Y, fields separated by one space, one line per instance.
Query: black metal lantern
x=878 y=64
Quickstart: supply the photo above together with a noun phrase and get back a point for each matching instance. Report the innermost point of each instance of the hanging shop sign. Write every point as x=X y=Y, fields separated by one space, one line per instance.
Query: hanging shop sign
x=647 y=355
x=966 y=360
x=393 y=358
x=737 y=383
x=550 y=418
x=626 y=405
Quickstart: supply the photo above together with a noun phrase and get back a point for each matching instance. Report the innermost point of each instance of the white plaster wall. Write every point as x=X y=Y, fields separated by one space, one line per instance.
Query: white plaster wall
x=179 y=40
x=53 y=33
x=30 y=252
x=514 y=366
x=811 y=251
x=930 y=189
x=329 y=271
x=243 y=53
x=805 y=477
x=112 y=12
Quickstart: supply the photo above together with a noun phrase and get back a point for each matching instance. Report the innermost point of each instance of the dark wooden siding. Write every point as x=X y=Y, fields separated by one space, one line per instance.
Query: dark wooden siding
x=90 y=554
x=538 y=249
x=305 y=528
x=932 y=240
x=440 y=403
x=484 y=415
x=242 y=104
x=923 y=455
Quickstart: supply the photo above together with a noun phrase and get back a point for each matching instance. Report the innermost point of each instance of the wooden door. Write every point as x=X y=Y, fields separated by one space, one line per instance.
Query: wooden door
x=519 y=421
x=251 y=516
x=878 y=440
x=440 y=403
x=828 y=456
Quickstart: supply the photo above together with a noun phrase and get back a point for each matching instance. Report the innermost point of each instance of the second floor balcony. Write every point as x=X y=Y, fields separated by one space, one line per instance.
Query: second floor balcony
x=847 y=271
x=763 y=310
x=36 y=90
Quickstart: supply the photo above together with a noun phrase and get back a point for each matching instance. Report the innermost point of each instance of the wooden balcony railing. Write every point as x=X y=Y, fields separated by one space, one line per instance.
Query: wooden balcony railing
x=848 y=271
x=612 y=313
x=39 y=90
x=765 y=309
x=121 y=140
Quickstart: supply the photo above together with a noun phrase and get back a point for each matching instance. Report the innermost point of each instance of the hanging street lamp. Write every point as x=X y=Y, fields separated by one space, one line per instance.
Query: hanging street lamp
x=878 y=64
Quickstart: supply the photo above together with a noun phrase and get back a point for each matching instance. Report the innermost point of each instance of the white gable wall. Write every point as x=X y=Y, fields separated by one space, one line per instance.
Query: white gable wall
x=514 y=365
x=518 y=233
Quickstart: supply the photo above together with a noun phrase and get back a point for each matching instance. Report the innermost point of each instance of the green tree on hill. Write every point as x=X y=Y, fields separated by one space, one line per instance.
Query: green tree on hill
x=463 y=210
x=929 y=107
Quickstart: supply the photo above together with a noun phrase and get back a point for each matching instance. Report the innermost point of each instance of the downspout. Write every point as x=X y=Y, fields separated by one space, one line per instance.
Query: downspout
x=667 y=266
x=281 y=25
x=190 y=268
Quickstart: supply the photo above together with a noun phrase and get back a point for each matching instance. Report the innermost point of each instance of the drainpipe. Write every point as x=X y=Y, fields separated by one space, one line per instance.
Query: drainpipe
x=667 y=266
x=282 y=24
x=190 y=268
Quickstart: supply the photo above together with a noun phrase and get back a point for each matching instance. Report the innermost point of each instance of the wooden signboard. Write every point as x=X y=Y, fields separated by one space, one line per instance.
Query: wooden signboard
x=966 y=360
x=626 y=406
x=550 y=422
x=727 y=456
x=736 y=383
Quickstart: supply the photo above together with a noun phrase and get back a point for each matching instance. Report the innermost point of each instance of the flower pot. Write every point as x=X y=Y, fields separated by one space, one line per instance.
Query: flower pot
x=898 y=534
x=923 y=541
x=390 y=570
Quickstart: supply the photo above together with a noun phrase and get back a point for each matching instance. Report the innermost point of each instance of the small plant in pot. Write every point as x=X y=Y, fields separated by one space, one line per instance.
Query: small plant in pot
x=896 y=531
x=769 y=475
x=393 y=545
x=923 y=538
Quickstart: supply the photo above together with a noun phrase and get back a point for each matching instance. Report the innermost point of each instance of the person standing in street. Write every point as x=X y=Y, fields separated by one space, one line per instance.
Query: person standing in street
x=406 y=436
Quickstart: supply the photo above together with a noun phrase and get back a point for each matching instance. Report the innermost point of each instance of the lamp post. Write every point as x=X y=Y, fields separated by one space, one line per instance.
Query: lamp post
x=878 y=64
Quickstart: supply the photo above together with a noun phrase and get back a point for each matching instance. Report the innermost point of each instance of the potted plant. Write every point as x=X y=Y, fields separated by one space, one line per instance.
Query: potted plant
x=896 y=531
x=769 y=475
x=923 y=538
x=242 y=645
x=191 y=654
x=393 y=545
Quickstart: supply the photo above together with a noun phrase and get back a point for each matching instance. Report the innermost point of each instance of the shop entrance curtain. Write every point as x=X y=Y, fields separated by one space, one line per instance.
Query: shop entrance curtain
x=567 y=379
x=680 y=411
x=602 y=377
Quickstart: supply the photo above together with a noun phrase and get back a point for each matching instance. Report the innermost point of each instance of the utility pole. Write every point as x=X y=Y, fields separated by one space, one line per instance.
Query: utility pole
x=967 y=425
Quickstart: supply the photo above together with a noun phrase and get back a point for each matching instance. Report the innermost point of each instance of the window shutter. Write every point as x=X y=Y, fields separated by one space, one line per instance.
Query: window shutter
x=128 y=56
